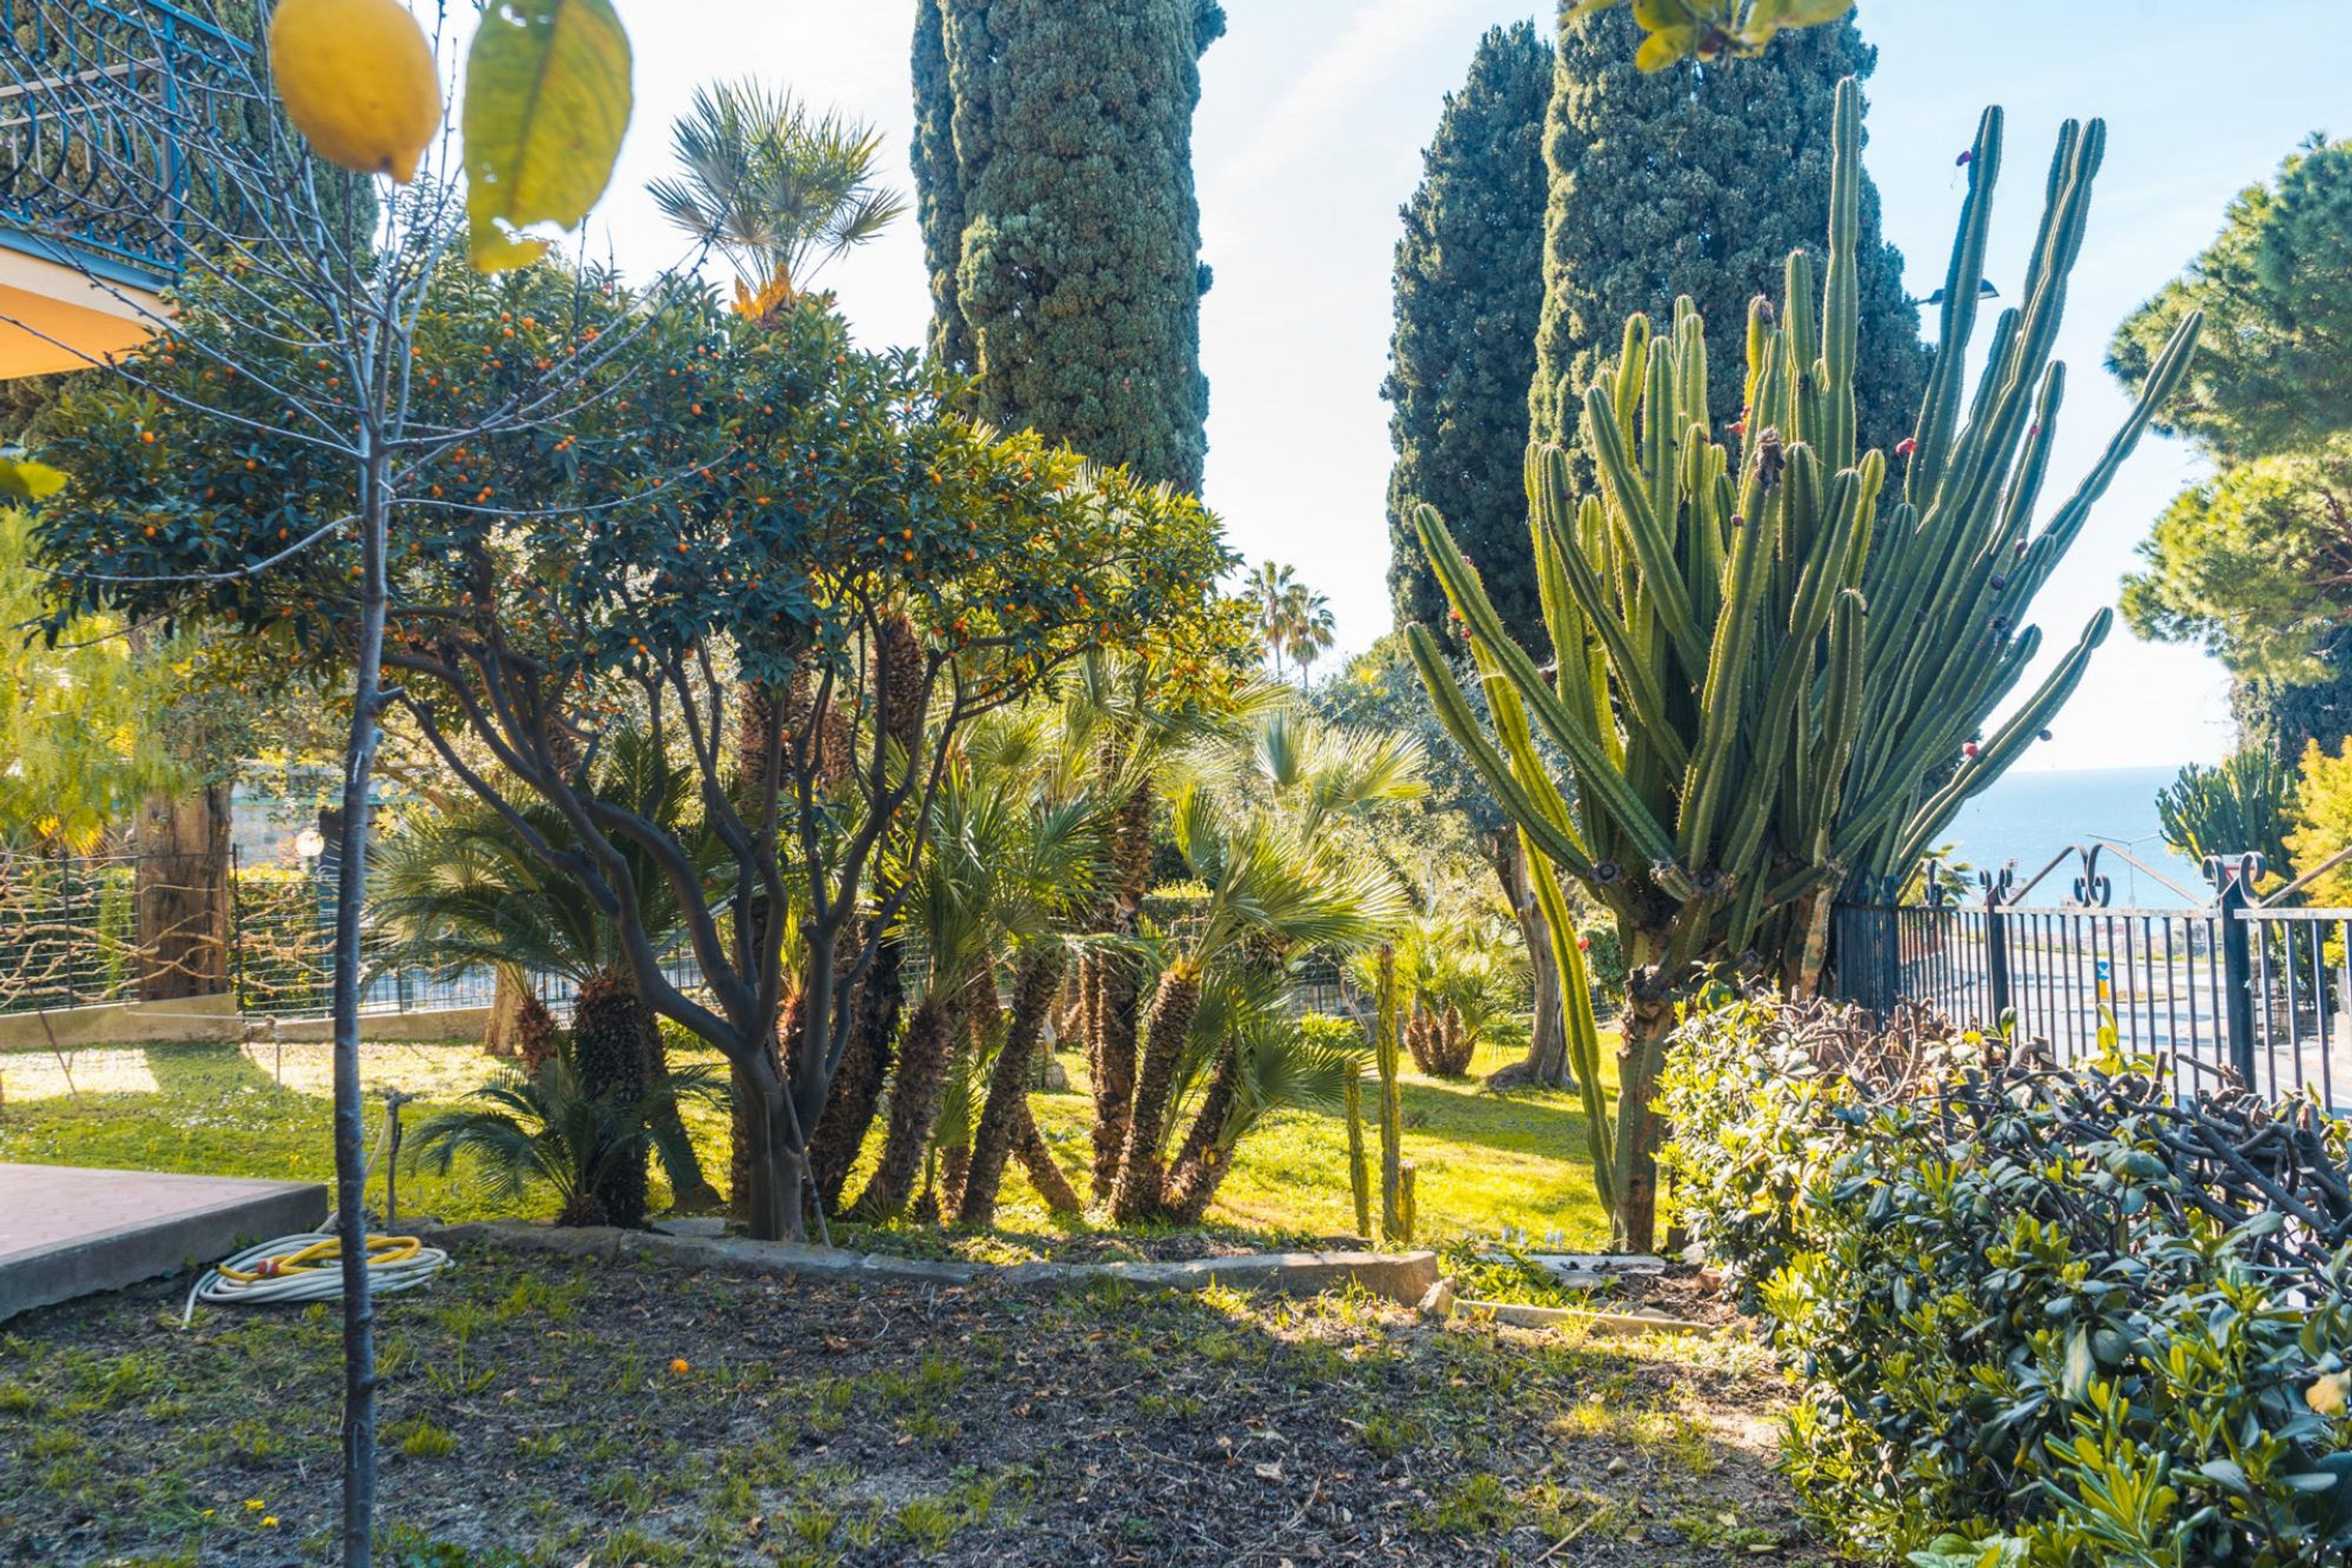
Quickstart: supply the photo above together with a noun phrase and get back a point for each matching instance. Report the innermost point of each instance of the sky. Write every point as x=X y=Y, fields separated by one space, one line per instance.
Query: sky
x=1308 y=139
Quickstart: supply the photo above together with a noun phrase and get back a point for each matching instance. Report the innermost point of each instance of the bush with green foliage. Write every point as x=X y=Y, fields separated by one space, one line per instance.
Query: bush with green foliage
x=2042 y=1317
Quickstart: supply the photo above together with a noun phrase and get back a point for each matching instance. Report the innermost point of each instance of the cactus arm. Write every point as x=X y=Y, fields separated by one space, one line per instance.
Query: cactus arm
x=1939 y=411
x=1645 y=704
x=1639 y=526
x=2007 y=746
x=1468 y=596
x=1453 y=713
x=1842 y=309
x=2164 y=378
x=1583 y=1029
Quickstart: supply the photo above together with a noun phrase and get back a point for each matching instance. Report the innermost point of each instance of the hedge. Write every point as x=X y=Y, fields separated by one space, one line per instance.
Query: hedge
x=2042 y=1317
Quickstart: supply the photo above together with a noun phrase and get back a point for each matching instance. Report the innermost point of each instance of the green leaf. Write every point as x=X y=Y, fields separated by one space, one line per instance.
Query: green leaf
x=2080 y=1367
x=547 y=102
x=1664 y=47
x=1657 y=16
x=2224 y=1473
x=21 y=479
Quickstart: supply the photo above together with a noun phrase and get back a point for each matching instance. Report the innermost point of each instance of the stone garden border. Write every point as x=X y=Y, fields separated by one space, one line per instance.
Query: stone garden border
x=1405 y=1277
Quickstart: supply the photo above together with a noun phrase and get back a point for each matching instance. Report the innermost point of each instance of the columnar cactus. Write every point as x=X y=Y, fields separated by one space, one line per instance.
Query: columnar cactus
x=1772 y=687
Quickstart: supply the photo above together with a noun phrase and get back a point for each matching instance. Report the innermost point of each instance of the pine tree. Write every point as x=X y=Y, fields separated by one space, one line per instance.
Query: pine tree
x=1700 y=179
x=1053 y=154
x=1469 y=290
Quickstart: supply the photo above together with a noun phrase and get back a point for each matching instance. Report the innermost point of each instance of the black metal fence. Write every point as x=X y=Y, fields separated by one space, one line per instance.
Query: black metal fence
x=2241 y=987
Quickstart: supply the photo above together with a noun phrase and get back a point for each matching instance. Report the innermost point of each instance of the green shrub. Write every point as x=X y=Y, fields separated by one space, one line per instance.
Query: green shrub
x=2039 y=1319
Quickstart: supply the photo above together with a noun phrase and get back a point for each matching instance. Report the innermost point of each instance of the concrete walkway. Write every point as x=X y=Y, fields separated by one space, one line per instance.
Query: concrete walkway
x=68 y=1231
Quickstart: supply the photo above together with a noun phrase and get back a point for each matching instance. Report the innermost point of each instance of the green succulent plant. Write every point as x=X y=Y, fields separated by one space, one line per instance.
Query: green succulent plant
x=1779 y=660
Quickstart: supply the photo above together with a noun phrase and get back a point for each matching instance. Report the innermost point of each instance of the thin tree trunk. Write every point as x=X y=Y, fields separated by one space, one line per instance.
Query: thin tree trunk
x=1546 y=1064
x=915 y=1096
x=359 y=1380
x=688 y=1187
x=1040 y=978
x=1045 y=1171
x=1136 y=1197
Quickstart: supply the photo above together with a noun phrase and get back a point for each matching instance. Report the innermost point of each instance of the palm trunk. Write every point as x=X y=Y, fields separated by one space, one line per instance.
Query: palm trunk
x=849 y=1108
x=501 y=1034
x=1111 y=1044
x=1198 y=1167
x=1135 y=1196
x=1039 y=979
x=915 y=1095
x=608 y=1042
x=1045 y=1174
x=181 y=894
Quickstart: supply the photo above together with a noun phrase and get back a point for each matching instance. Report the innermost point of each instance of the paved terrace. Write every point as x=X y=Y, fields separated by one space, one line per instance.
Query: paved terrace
x=66 y=1232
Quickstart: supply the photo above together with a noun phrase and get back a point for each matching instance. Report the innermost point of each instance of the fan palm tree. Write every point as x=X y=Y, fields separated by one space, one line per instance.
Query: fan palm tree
x=1251 y=825
x=467 y=888
x=547 y=1128
x=778 y=190
x=1010 y=862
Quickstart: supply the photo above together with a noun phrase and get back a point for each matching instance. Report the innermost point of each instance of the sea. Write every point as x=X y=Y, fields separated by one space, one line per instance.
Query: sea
x=2029 y=819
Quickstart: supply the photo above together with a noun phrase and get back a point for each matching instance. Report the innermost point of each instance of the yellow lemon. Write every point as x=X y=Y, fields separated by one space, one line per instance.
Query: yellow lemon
x=357 y=78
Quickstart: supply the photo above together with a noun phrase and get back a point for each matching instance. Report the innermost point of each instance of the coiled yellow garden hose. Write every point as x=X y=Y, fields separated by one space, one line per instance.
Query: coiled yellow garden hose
x=309 y=1267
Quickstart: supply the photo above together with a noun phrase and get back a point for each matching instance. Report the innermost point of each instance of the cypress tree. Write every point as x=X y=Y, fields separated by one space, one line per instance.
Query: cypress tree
x=1469 y=291
x=1700 y=179
x=1053 y=154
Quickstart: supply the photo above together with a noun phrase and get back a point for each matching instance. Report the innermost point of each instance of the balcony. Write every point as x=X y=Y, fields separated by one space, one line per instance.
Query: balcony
x=94 y=184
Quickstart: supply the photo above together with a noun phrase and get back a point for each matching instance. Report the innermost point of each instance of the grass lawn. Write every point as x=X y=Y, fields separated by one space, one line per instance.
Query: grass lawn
x=1483 y=1161
x=547 y=1411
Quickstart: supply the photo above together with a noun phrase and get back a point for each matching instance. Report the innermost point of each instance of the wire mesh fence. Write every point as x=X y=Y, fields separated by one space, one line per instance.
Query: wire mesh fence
x=85 y=931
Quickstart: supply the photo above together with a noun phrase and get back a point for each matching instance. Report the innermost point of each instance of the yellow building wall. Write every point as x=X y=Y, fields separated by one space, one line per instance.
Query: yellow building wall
x=53 y=319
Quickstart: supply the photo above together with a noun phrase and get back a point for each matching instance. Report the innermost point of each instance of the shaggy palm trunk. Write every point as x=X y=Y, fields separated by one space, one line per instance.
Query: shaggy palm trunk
x=1044 y=1175
x=915 y=1095
x=535 y=1032
x=608 y=1042
x=856 y=1091
x=1112 y=1032
x=1135 y=1196
x=1034 y=991
x=508 y=986
x=1201 y=1164
x=1111 y=1063
x=688 y=1187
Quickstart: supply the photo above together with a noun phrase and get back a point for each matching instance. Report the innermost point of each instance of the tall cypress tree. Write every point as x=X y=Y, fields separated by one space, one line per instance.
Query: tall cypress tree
x=1700 y=179
x=1053 y=153
x=1469 y=291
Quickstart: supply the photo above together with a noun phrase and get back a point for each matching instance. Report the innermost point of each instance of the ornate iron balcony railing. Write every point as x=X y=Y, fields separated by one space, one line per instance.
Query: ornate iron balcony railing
x=93 y=170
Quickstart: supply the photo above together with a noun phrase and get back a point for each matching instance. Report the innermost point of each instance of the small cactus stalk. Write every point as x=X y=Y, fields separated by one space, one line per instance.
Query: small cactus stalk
x=1384 y=1055
x=1360 y=1175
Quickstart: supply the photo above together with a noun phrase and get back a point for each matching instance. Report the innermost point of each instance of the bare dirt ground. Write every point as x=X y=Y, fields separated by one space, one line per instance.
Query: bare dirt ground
x=546 y=1412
